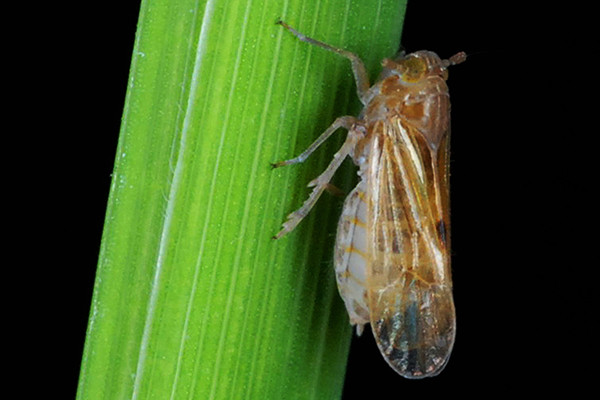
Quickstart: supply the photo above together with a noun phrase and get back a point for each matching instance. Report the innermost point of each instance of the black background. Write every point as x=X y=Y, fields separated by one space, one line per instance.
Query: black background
x=522 y=257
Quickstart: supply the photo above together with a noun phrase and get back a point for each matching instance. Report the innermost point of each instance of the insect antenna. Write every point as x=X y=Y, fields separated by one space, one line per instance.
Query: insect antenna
x=455 y=59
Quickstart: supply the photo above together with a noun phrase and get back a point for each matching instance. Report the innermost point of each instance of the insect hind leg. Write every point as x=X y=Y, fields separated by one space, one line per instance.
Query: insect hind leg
x=321 y=183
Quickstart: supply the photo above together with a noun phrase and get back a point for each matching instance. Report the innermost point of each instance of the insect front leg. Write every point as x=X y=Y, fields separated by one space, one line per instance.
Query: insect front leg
x=358 y=67
x=321 y=182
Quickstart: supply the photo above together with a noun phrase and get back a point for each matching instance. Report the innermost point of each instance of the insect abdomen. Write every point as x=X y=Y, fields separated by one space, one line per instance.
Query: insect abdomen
x=351 y=256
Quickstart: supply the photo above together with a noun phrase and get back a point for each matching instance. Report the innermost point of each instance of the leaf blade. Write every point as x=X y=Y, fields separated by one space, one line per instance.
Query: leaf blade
x=189 y=284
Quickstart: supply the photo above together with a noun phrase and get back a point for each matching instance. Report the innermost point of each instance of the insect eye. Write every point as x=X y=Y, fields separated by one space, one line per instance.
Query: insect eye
x=414 y=69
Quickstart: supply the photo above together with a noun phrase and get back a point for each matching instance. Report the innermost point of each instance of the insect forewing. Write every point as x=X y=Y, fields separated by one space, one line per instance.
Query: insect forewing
x=409 y=284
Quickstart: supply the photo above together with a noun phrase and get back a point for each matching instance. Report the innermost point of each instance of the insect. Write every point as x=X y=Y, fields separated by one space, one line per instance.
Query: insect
x=392 y=254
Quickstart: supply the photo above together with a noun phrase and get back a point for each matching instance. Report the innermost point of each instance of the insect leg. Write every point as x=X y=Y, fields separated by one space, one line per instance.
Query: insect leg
x=358 y=67
x=341 y=122
x=321 y=182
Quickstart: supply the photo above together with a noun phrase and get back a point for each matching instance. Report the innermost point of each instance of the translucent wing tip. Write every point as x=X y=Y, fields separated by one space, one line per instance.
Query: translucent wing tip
x=416 y=364
x=416 y=341
x=425 y=359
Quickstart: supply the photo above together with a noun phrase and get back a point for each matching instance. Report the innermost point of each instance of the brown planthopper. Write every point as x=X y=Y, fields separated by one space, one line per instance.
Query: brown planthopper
x=392 y=254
